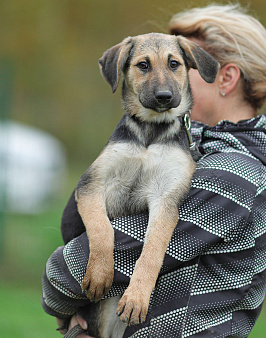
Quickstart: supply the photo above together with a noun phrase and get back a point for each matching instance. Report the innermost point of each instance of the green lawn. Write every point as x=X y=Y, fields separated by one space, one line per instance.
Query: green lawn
x=22 y=315
x=28 y=242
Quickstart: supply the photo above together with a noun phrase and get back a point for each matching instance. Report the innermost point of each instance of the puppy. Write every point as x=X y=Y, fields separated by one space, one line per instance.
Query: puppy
x=146 y=164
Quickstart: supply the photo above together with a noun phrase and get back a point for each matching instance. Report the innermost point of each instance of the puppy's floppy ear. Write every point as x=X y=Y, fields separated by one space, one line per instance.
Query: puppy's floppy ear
x=197 y=58
x=113 y=61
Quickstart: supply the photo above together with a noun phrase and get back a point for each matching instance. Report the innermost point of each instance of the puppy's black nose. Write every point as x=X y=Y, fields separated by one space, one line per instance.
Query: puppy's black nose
x=163 y=97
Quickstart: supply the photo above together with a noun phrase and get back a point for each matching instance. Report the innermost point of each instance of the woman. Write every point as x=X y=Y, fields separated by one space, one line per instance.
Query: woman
x=213 y=280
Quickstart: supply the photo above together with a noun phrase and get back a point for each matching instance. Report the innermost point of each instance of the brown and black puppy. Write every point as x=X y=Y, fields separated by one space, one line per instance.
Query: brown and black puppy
x=146 y=164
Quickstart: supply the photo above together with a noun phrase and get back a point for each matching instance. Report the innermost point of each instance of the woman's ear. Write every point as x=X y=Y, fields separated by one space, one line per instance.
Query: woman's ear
x=228 y=78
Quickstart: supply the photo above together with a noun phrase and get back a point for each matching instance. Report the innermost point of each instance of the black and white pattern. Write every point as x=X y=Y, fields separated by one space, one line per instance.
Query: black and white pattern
x=213 y=280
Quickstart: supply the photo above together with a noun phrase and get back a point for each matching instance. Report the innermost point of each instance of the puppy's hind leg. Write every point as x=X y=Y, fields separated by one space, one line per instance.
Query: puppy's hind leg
x=102 y=320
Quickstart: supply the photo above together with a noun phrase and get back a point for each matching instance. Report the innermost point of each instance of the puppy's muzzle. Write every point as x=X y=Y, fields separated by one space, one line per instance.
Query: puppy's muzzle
x=160 y=101
x=164 y=97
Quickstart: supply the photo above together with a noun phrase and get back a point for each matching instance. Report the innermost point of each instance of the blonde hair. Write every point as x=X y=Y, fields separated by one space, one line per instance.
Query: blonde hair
x=231 y=36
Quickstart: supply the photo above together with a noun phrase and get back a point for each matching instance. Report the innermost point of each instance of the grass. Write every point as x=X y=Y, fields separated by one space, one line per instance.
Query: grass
x=22 y=315
x=28 y=242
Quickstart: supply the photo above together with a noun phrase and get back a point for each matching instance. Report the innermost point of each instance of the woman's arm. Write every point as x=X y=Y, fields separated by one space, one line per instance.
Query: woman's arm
x=216 y=209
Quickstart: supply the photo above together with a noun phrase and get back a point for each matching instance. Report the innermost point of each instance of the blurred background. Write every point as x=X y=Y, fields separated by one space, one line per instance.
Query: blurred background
x=56 y=114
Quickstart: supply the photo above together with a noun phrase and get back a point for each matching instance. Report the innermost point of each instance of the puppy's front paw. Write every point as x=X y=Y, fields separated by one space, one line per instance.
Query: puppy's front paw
x=98 y=278
x=133 y=306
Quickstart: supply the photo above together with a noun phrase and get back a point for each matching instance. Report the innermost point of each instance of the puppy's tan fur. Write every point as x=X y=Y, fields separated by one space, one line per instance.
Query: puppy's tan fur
x=146 y=168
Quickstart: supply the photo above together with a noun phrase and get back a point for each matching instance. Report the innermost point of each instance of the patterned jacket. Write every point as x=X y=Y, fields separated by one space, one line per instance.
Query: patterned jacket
x=212 y=283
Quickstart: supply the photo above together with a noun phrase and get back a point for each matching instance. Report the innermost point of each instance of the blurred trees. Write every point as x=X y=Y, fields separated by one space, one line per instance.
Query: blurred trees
x=54 y=46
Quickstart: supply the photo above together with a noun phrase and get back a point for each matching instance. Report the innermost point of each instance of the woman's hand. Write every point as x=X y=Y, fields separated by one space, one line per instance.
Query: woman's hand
x=75 y=320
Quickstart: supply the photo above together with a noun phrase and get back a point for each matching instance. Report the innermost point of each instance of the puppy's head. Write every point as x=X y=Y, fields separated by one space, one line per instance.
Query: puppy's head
x=155 y=67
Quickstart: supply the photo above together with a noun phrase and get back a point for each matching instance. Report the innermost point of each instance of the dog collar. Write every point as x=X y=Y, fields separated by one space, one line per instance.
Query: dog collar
x=196 y=155
x=187 y=122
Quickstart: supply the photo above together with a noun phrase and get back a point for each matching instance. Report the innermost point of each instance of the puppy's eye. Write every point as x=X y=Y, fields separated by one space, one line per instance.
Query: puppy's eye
x=173 y=64
x=143 y=65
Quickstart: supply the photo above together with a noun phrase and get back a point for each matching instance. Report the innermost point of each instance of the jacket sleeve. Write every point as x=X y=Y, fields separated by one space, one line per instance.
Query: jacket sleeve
x=211 y=219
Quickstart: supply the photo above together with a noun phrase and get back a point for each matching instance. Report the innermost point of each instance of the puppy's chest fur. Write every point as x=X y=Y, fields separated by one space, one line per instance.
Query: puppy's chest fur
x=141 y=165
